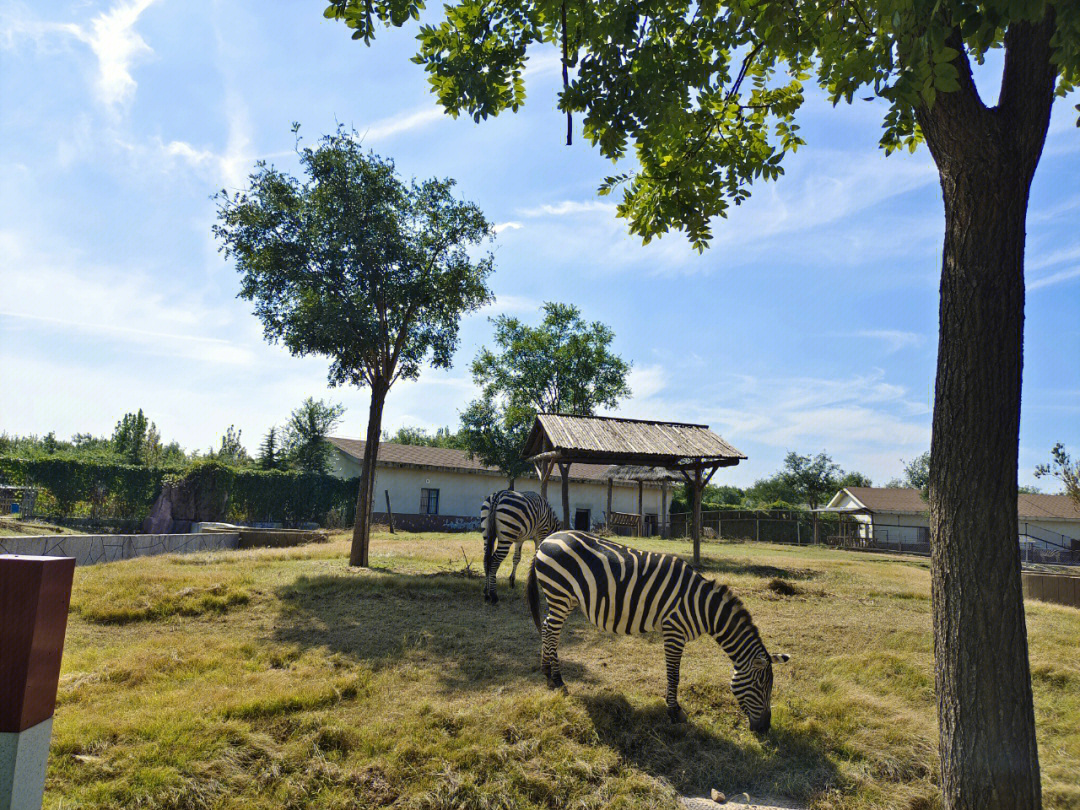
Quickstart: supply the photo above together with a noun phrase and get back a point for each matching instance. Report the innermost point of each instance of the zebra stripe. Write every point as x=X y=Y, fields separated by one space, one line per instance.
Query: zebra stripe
x=626 y=591
x=519 y=516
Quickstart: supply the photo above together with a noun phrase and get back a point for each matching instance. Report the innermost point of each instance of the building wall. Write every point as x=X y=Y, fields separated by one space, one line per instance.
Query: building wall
x=462 y=493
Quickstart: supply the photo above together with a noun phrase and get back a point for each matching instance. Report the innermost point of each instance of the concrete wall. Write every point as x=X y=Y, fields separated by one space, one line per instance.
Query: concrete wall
x=461 y=493
x=88 y=549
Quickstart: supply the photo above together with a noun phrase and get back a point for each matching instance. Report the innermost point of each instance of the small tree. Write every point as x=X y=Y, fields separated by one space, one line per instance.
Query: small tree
x=493 y=436
x=1064 y=469
x=130 y=437
x=305 y=435
x=564 y=365
x=231 y=451
x=269 y=451
x=356 y=265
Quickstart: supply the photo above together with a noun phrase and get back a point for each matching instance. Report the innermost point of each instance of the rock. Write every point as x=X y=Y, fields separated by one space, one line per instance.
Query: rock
x=718 y=797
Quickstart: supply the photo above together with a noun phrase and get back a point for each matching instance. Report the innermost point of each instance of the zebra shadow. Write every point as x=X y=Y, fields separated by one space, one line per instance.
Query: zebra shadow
x=716 y=565
x=437 y=620
x=712 y=750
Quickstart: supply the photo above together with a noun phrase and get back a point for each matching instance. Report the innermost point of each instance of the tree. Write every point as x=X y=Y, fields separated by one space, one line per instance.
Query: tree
x=357 y=265
x=443 y=437
x=853 y=479
x=131 y=437
x=813 y=480
x=1064 y=469
x=232 y=450
x=270 y=455
x=493 y=436
x=305 y=435
x=706 y=96
x=916 y=474
x=564 y=365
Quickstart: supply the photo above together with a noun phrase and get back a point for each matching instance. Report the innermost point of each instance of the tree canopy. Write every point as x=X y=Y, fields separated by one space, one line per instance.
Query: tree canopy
x=354 y=264
x=1064 y=469
x=495 y=436
x=304 y=441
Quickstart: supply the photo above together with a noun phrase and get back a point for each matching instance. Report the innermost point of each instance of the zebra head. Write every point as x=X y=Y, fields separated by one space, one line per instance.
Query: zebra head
x=752 y=686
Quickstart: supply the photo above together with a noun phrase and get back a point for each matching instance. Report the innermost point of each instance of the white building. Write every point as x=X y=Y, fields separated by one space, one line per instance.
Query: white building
x=435 y=488
x=893 y=515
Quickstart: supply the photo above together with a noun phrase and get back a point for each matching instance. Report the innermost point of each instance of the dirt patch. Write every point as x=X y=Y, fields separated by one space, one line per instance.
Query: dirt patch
x=743 y=801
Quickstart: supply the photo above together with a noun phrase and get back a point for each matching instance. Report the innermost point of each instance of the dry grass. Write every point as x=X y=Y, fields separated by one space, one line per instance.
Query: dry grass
x=31 y=527
x=281 y=678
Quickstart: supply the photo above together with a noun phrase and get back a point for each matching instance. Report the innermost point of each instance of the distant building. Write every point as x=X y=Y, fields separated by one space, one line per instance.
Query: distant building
x=436 y=488
x=893 y=515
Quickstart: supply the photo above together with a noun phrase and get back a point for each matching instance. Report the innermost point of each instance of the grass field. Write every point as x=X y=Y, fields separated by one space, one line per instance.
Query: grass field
x=11 y=527
x=283 y=679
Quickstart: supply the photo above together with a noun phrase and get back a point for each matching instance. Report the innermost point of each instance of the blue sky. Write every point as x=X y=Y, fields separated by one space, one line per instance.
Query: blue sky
x=809 y=324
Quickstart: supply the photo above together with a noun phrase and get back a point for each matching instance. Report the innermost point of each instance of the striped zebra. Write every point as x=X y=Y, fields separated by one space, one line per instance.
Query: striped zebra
x=626 y=591
x=519 y=516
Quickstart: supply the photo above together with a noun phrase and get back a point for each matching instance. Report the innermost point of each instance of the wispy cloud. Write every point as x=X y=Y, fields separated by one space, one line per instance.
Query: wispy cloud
x=1058 y=256
x=1054 y=278
x=894 y=339
x=111 y=36
x=403 y=122
x=566 y=207
x=508 y=226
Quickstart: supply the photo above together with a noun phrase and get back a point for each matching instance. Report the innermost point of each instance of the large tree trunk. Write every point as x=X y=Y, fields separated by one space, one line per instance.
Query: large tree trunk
x=986 y=159
x=361 y=538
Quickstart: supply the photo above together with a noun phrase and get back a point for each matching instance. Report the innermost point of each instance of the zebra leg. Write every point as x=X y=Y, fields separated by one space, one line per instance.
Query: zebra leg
x=517 y=559
x=558 y=610
x=673 y=650
x=502 y=548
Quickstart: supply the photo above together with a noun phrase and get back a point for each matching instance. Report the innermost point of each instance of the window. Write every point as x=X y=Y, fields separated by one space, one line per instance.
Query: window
x=429 y=501
x=581 y=520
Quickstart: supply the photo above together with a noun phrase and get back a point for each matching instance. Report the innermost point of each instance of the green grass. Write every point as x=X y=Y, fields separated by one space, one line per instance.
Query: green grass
x=25 y=527
x=281 y=678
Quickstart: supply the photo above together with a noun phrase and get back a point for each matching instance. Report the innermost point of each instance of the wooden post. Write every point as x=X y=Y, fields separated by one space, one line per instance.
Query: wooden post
x=697 y=487
x=35 y=593
x=640 y=508
x=389 y=511
x=543 y=469
x=564 y=471
x=610 y=486
x=663 y=511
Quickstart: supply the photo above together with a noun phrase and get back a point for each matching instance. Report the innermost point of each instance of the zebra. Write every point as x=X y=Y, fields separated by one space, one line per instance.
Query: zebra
x=519 y=516
x=626 y=591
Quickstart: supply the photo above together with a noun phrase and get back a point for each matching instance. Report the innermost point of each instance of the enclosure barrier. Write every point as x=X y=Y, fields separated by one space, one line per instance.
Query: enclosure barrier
x=35 y=593
x=1062 y=589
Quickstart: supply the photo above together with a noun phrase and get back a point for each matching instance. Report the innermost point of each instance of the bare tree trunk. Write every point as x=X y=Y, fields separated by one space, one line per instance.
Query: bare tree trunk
x=564 y=471
x=986 y=159
x=358 y=555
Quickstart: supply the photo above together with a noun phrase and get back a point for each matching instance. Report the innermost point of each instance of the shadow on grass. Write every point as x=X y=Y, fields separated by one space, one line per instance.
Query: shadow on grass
x=699 y=755
x=439 y=619
x=714 y=565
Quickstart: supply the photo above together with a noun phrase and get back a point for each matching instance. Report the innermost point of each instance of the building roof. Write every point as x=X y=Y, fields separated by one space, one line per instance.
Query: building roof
x=910 y=501
x=446 y=458
x=628 y=441
x=634 y=473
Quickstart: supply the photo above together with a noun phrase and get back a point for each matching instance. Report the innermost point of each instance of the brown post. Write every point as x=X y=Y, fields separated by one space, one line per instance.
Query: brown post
x=640 y=508
x=610 y=485
x=389 y=511
x=564 y=471
x=35 y=593
x=663 y=511
x=697 y=486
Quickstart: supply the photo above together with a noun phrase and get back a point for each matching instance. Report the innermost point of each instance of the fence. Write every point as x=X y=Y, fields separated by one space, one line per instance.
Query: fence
x=1060 y=588
x=777 y=526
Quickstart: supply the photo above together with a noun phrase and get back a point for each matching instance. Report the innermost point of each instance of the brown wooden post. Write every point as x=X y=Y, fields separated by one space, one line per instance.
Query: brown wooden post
x=610 y=486
x=640 y=508
x=697 y=487
x=35 y=593
x=564 y=471
x=663 y=511
x=389 y=511
x=543 y=469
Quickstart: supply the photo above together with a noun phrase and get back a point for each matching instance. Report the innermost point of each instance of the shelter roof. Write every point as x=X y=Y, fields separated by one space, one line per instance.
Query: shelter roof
x=614 y=440
x=895 y=500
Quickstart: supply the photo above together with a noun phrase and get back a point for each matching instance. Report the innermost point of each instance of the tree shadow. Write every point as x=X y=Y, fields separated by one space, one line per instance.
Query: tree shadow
x=384 y=618
x=722 y=566
x=706 y=752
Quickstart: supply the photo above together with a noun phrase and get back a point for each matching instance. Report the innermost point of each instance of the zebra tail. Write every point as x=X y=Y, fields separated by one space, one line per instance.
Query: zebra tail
x=532 y=591
x=489 y=532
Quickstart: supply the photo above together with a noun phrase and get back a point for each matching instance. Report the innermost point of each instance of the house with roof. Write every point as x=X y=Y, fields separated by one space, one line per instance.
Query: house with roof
x=901 y=516
x=441 y=489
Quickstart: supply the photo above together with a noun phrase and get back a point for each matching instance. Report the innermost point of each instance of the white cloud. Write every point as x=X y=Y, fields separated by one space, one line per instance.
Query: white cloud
x=508 y=226
x=566 y=207
x=1058 y=256
x=1054 y=278
x=514 y=304
x=894 y=339
x=403 y=122
x=647 y=381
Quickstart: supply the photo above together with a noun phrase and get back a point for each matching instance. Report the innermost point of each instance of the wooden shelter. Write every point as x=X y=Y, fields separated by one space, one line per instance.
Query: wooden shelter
x=692 y=451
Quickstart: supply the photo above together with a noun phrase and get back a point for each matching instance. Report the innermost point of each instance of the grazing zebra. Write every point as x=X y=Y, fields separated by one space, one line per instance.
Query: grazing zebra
x=626 y=591
x=519 y=516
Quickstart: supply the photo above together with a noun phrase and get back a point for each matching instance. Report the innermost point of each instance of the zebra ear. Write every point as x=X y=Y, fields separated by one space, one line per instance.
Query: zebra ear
x=760 y=662
x=780 y=658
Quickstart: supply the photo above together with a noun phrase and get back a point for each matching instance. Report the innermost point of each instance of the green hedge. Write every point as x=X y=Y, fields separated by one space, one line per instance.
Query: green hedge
x=70 y=488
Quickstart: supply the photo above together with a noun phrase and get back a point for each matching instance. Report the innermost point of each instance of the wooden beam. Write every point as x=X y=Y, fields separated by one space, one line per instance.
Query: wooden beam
x=640 y=509
x=697 y=485
x=663 y=510
x=610 y=487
